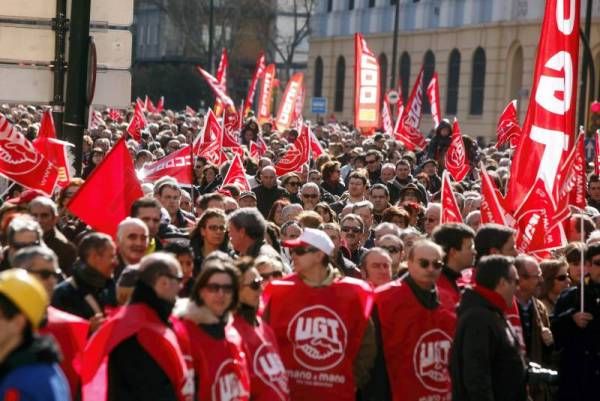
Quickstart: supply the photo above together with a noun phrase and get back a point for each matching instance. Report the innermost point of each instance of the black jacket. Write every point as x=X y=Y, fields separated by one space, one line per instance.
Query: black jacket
x=486 y=362
x=579 y=366
x=265 y=197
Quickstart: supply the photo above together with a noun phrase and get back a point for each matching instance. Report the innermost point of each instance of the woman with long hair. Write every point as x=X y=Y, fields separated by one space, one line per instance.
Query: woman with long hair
x=555 y=273
x=275 y=212
x=210 y=179
x=210 y=234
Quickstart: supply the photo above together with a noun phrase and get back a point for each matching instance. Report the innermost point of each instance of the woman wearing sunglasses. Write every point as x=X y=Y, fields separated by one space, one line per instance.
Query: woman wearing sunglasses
x=209 y=235
x=208 y=337
x=555 y=273
x=268 y=378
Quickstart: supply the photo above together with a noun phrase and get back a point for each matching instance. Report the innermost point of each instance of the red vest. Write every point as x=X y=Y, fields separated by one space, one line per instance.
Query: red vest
x=70 y=332
x=268 y=378
x=152 y=334
x=319 y=332
x=220 y=365
x=449 y=295
x=416 y=344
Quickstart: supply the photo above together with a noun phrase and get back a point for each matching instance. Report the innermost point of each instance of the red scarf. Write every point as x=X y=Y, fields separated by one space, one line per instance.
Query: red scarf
x=492 y=297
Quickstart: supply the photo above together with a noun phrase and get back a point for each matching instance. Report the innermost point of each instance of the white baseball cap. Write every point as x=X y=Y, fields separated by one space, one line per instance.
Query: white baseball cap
x=311 y=237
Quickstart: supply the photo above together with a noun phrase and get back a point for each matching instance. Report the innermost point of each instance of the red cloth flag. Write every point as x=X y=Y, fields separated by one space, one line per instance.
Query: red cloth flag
x=209 y=143
x=386 y=118
x=160 y=105
x=456 y=160
x=572 y=177
x=297 y=154
x=259 y=70
x=215 y=86
x=105 y=198
x=94 y=119
x=287 y=107
x=22 y=163
x=222 y=79
x=508 y=128
x=137 y=123
x=265 y=98
x=433 y=94
x=254 y=150
x=148 y=105
x=297 y=119
x=315 y=146
x=189 y=111
x=53 y=149
x=141 y=103
x=491 y=209
x=231 y=125
x=177 y=165
x=407 y=125
x=367 y=91
x=114 y=114
x=236 y=175
x=450 y=211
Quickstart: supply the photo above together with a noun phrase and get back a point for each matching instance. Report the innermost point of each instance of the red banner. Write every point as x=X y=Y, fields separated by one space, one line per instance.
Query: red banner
x=259 y=70
x=287 y=107
x=236 y=175
x=315 y=146
x=209 y=143
x=215 y=86
x=160 y=105
x=407 y=125
x=137 y=123
x=450 y=210
x=53 y=149
x=386 y=118
x=456 y=160
x=297 y=154
x=265 y=98
x=222 y=79
x=491 y=209
x=572 y=177
x=367 y=92
x=508 y=129
x=177 y=165
x=433 y=94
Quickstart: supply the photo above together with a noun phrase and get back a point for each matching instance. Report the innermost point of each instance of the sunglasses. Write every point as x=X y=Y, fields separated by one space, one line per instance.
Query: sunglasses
x=392 y=249
x=255 y=284
x=293 y=183
x=214 y=288
x=371 y=161
x=46 y=274
x=217 y=227
x=179 y=279
x=562 y=277
x=310 y=196
x=355 y=230
x=596 y=262
x=21 y=245
x=425 y=263
x=302 y=250
x=273 y=274
x=432 y=220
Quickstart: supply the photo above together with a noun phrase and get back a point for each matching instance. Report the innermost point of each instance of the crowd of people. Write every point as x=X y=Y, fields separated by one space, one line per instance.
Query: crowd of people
x=337 y=281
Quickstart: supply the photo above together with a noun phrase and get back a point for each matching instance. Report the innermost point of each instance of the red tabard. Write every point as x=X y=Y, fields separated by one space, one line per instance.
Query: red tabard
x=449 y=295
x=416 y=344
x=319 y=332
x=268 y=378
x=514 y=319
x=158 y=340
x=220 y=365
x=70 y=332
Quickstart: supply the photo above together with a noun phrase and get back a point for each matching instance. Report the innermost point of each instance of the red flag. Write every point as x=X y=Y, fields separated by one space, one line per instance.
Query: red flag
x=149 y=106
x=236 y=175
x=297 y=119
x=265 y=99
x=367 y=92
x=254 y=150
x=259 y=70
x=386 y=118
x=94 y=119
x=222 y=79
x=105 y=198
x=287 y=106
x=215 y=85
x=53 y=149
x=508 y=128
x=572 y=177
x=141 y=103
x=160 y=105
x=297 y=154
x=457 y=163
x=491 y=209
x=407 y=125
x=189 y=111
x=315 y=146
x=450 y=211
x=137 y=123
x=433 y=94
x=177 y=165
x=230 y=128
x=209 y=143
x=21 y=162
x=114 y=114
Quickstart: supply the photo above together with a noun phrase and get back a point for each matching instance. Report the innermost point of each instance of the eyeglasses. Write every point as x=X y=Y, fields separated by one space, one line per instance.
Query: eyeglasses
x=596 y=262
x=310 y=196
x=371 y=161
x=255 y=284
x=179 y=279
x=425 y=263
x=293 y=183
x=355 y=230
x=302 y=250
x=46 y=274
x=432 y=219
x=273 y=274
x=21 y=245
x=562 y=277
x=392 y=249
x=214 y=288
x=217 y=227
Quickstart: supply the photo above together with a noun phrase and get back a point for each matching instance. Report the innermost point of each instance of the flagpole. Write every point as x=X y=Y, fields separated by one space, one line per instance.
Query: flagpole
x=582 y=269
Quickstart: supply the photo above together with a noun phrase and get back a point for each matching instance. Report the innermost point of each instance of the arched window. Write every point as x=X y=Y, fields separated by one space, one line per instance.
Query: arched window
x=477 y=82
x=428 y=70
x=340 y=79
x=383 y=71
x=318 y=84
x=453 y=79
x=405 y=75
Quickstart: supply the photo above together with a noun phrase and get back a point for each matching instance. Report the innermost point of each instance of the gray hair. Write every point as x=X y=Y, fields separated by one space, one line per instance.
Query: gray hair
x=24 y=257
x=310 y=185
x=46 y=202
x=361 y=204
x=354 y=217
x=289 y=209
x=375 y=249
x=251 y=220
x=128 y=222
x=23 y=224
x=391 y=227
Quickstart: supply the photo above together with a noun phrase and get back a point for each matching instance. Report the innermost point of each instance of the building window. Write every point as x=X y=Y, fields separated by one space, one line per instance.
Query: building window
x=340 y=81
x=350 y=4
x=371 y=3
x=477 y=82
x=428 y=70
x=329 y=5
x=453 y=78
x=383 y=71
x=318 y=84
x=405 y=75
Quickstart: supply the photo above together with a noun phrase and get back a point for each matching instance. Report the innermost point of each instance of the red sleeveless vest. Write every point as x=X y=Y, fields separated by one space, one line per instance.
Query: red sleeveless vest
x=449 y=295
x=268 y=378
x=220 y=365
x=319 y=333
x=158 y=340
x=416 y=344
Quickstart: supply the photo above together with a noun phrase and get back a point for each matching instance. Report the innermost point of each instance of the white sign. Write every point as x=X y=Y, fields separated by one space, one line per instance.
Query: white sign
x=393 y=97
x=113 y=88
x=26 y=44
x=29 y=9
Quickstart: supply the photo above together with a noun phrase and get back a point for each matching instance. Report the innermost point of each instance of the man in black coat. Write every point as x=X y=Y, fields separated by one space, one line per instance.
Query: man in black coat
x=577 y=335
x=486 y=362
x=268 y=191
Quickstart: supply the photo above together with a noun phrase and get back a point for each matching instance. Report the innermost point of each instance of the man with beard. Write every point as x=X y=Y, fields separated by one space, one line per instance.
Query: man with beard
x=353 y=229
